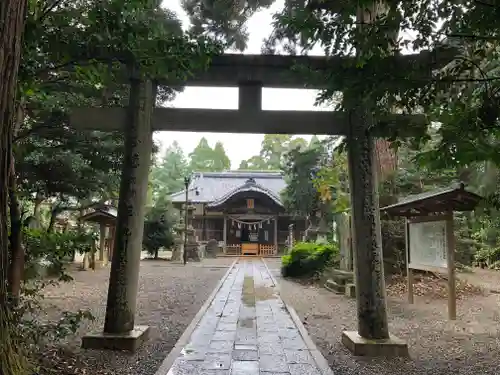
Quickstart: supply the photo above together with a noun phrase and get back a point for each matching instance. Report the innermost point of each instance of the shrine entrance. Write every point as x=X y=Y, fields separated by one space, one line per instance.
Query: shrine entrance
x=252 y=235
x=250 y=73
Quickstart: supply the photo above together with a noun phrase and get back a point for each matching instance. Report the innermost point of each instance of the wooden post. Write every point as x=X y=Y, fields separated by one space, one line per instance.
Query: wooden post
x=291 y=237
x=276 y=234
x=409 y=271
x=224 y=234
x=350 y=247
x=111 y=242
x=204 y=224
x=452 y=294
x=103 y=256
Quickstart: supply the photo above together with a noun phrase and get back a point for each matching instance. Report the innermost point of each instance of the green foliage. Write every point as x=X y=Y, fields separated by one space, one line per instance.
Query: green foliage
x=332 y=181
x=167 y=176
x=488 y=256
x=273 y=151
x=79 y=54
x=308 y=259
x=207 y=159
x=223 y=19
x=221 y=160
x=52 y=250
x=301 y=169
x=158 y=228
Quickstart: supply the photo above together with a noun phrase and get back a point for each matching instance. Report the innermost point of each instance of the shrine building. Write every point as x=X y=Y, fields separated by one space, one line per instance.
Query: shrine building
x=242 y=210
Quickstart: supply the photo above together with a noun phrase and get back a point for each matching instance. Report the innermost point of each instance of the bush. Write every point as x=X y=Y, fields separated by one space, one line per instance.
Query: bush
x=308 y=259
x=50 y=250
x=157 y=233
x=488 y=257
x=34 y=331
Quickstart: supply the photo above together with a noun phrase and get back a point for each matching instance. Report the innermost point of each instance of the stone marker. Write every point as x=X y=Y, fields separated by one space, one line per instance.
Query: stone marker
x=211 y=248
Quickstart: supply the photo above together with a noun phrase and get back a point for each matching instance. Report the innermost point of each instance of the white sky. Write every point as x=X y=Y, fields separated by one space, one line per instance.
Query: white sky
x=238 y=146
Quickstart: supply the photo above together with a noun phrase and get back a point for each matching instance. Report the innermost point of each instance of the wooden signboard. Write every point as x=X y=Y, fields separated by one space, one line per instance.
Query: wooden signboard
x=430 y=246
x=250 y=204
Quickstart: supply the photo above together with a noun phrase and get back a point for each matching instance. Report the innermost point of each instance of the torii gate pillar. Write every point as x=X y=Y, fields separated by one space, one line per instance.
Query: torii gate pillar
x=119 y=332
x=372 y=337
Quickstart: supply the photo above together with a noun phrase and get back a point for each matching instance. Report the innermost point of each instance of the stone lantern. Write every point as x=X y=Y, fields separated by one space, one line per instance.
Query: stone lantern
x=191 y=245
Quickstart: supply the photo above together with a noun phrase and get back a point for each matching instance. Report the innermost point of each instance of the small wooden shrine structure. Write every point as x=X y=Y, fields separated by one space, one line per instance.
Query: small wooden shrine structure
x=105 y=216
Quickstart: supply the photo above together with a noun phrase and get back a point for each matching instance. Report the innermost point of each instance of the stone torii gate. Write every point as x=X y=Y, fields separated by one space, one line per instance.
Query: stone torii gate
x=249 y=73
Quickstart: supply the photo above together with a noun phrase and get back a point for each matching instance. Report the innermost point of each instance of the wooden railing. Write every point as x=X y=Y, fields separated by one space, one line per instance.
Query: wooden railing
x=267 y=250
x=233 y=249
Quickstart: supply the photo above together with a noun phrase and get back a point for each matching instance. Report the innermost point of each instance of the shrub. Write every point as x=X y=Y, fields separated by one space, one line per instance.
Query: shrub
x=51 y=249
x=308 y=259
x=35 y=331
x=157 y=234
x=488 y=257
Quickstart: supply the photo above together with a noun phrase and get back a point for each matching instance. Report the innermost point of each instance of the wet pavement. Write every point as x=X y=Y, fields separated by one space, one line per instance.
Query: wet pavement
x=247 y=330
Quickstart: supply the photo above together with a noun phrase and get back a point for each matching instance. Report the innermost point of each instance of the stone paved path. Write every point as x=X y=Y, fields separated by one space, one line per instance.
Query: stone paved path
x=247 y=330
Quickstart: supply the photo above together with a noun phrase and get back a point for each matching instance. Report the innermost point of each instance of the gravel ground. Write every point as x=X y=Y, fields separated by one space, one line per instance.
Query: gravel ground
x=169 y=297
x=470 y=345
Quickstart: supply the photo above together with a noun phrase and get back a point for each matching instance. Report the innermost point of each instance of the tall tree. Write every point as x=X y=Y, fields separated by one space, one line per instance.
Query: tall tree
x=158 y=227
x=272 y=149
x=223 y=19
x=12 y=19
x=221 y=160
x=255 y=163
x=272 y=152
x=301 y=171
x=207 y=159
x=167 y=176
x=201 y=158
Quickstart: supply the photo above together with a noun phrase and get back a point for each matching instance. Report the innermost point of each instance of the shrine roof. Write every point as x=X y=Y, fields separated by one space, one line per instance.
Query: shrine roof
x=249 y=186
x=211 y=187
x=455 y=198
x=101 y=214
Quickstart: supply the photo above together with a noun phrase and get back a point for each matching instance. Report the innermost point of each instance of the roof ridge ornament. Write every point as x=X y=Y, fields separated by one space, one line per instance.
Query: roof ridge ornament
x=251 y=181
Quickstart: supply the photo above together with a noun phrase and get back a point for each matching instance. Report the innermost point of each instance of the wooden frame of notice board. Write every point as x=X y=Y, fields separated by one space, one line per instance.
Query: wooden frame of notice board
x=440 y=229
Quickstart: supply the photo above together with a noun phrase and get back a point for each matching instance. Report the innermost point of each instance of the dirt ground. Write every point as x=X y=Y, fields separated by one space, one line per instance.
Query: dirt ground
x=469 y=345
x=169 y=297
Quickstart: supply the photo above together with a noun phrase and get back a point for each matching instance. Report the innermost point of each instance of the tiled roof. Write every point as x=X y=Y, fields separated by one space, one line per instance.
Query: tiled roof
x=207 y=187
x=249 y=186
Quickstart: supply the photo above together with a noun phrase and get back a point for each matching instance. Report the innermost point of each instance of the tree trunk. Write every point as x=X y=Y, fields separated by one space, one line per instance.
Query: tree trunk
x=12 y=18
x=156 y=254
x=16 y=267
